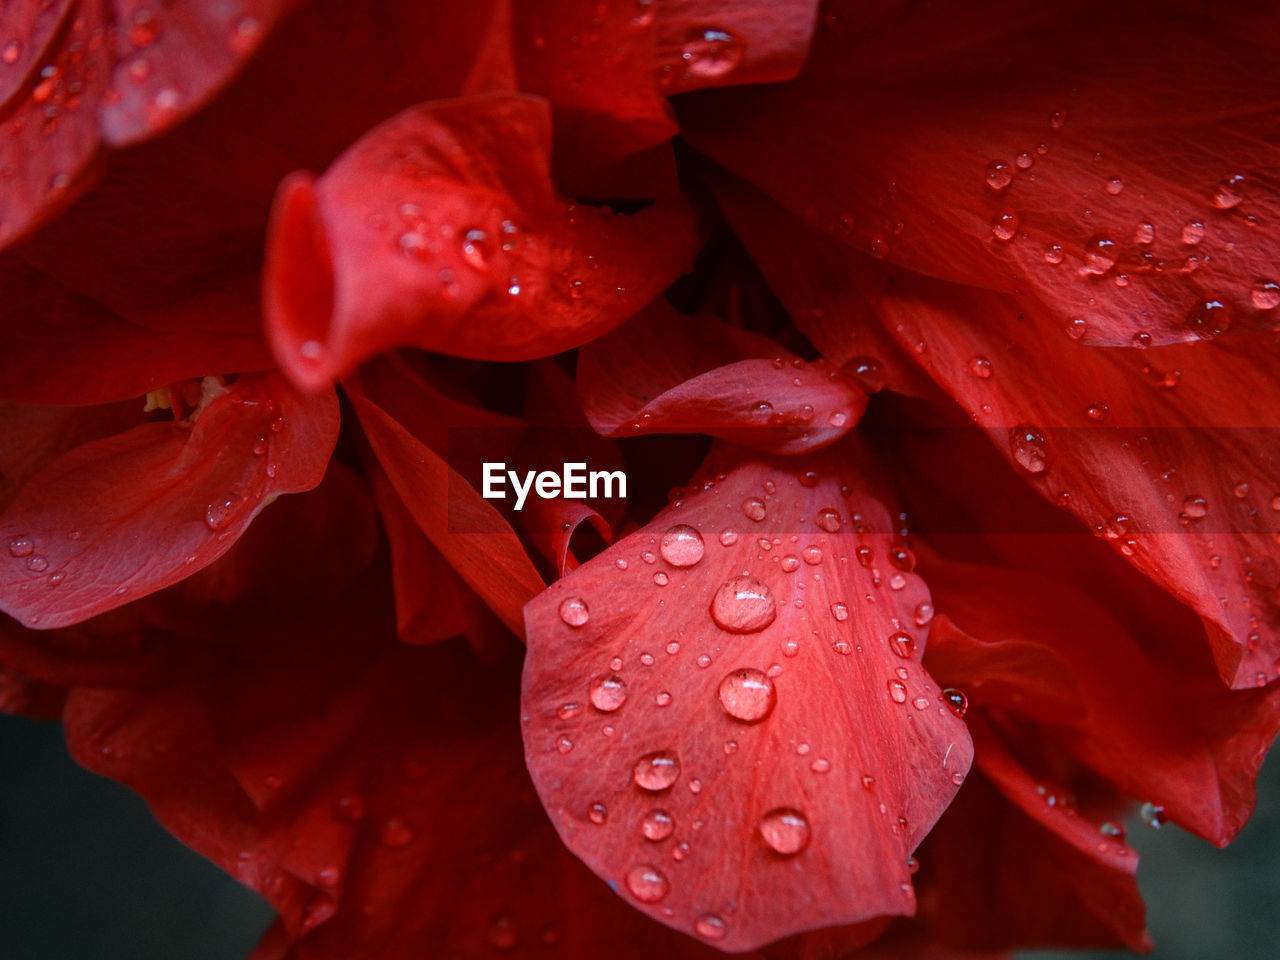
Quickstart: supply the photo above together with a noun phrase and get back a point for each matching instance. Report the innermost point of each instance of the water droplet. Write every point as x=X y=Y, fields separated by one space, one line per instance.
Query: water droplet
x=608 y=692
x=840 y=611
x=1193 y=233
x=868 y=372
x=615 y=664
x=710 y=927
x=1209 y=318
x=897 y=691
x=682 y=546
x=1005 y=226
x=662 y=698
x=220 y=513
x=1113 y=830
x=1144 y=233
x=1153 y=815
x=785 y=830
x=1077 y=328
x=1097 y=411
x=902 y=644
x=703 y=661
x=564 y=745
x=657 y=825
x=1229 y=192
x=748 y=695
x=1114 y=186
x=923 y=614
x=812 y=555
x=598 y=813
x=37 y=564
x=574 y=611
x=956 y=701
x=1029 y=448
x=21 y=546
x=1100 y=254
x=753 y=508
x=1240 y=490
x=743 y=605
x=647 y=884
x=790 y=563
x=1194 y=508
x=838 y=418
x=661 y=579
x=879 y=247
x=820 y=765
x=868 y=782
x=728 y=538
x=1265 y=294
x=999 y=175
x=828 y=519
x=656 y=771
x=1057 y=119
x=980 y=367
x=12 y=50
x=394 y=832
x=710 y=53
x=673 y=647
x=1053 y=253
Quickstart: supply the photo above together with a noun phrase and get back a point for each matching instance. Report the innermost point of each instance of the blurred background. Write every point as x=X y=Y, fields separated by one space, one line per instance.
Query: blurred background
x=86 y=872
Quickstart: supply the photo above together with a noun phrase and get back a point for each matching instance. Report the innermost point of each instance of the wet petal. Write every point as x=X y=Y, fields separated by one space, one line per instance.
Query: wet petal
x=753 y=715
x=1090 y=177
x=120 y=517
x=441 y=229
x=666 y=373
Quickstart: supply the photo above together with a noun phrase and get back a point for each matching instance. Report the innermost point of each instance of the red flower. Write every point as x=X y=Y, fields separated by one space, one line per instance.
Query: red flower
x=923 y=277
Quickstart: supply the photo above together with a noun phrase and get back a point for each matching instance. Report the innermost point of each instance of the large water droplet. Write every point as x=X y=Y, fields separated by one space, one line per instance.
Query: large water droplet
x=1229 y=192
x=1005 y=226
x=682 y=546
x=980 y=367
x=748 y=695
x=785 y=830
x=828 y=519
x=743 y=605
x=574 y=611
x=753 y=508
x=999 y=175
x=709 y=53
x=657 y=825
x=1265 y=294
x=1029 y=448
x=898 y=691
x=840 y=611
x=647 y=884
x=608 y=692
x=902 y=644
x=1100 y=254
x=956 y=701
x=1209 y=318
x=1153 y=815
x=656 y=771
x=1193 y=233
x=222 y=511
x=21 y=546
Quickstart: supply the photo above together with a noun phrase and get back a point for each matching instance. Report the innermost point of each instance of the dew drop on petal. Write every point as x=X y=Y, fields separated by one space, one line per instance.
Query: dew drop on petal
x=956 y=701
x=657 y=825
x=785 y=830
x=1229 y=192
x=753 y=508
x=980 y=367
x=743 y=605
x=656 y=771
x=1005 y=226
x=1077 y=327
x=1209 y=318
x=897 y=691
x=1193 y=233
x=902 y=644
x=812 y=555
x=598 y=813
x=1153 y=815
x=748 y=695
x=790 y=563
x=1029 y=448
x=21 y=546
x=220 y=513
x=1113 y=830
x=647 y=884
x=608 y=692
x=709 y=53
x=999 y=175
x=710 y=927
x=574 y=612
x=38 y=564
x=923 y=614
x=682 y=546
x=1265 y=294
x=1144 y=233
x=840 y=611
x=1100 y=254
x=828 y=519
x=1053 y=253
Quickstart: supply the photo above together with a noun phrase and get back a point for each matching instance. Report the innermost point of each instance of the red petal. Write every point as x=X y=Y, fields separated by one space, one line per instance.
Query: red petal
x=120 y=517
x=1011 y=869
x=441 y=229
x=1100 y=135
x=59 y=347
x=22 y=694
x=1161 y=730
x=406 y=421
x=721 y=612
x=666 y=373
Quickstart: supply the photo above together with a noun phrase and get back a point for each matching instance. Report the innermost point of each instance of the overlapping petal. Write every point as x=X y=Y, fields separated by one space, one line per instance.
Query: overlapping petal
x=725 y=715
x=441 y=229
x=122 y=516
x=1031 y=151
x=665 y=373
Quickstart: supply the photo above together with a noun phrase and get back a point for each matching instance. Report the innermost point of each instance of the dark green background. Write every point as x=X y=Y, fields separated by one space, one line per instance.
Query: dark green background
x=86 y=872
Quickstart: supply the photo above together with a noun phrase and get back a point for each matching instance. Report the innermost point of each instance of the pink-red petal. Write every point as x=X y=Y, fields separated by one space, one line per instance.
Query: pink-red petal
x=745 y=664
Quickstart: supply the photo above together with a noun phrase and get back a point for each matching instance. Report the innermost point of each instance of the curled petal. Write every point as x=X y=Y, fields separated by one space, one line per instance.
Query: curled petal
x=744 y=697
x=441 y=229
x=665 y=373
